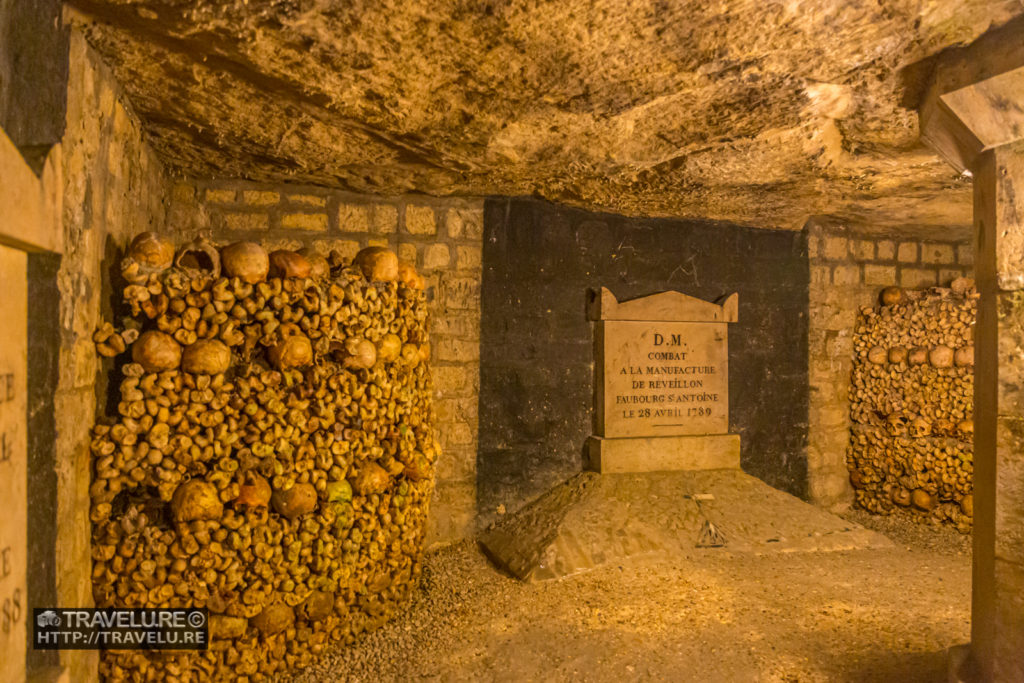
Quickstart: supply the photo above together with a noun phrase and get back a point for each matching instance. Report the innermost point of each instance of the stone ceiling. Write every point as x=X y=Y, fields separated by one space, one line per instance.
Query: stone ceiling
x=752 y=111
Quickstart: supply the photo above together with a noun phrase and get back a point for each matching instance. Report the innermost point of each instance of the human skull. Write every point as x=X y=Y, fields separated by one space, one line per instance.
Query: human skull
x=919 y=427
x=897 y=424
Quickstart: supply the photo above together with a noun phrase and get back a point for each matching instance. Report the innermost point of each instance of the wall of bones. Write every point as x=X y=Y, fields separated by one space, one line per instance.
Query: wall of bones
x=440 y=236
x=912 y=403
x=271 y=456
x=848 y=268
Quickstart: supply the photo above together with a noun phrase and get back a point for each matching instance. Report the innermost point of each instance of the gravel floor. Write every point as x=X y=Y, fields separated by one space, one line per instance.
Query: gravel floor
x=872 y=615
x=909 y=532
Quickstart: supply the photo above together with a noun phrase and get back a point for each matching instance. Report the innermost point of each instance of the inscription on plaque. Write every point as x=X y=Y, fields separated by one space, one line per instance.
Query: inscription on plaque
x=661 y=383
x=13 y=464
x=664 y=379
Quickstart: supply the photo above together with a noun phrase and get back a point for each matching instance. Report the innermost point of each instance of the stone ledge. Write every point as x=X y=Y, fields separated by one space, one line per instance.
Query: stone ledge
x=664 y=453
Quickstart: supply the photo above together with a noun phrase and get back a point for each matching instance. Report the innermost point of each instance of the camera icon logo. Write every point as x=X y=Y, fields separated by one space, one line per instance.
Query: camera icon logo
x=48 y=618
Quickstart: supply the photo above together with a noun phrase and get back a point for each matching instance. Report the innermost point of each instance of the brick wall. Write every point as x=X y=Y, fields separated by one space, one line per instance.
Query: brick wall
x=848 y=269
x=113 y=188
x=441 y=236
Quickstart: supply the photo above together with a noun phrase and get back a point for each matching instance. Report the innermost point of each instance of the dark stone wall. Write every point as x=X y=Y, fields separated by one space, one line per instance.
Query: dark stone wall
x=536 y=365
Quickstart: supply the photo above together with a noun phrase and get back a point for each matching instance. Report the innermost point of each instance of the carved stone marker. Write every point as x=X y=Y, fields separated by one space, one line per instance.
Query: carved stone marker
x=661 y=384
x=13 y=464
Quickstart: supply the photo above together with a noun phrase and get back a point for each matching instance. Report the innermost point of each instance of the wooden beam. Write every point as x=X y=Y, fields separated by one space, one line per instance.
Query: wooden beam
x=973 y=102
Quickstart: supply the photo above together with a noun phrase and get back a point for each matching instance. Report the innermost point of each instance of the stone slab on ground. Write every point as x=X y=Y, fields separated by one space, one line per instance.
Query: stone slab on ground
x=595 y=519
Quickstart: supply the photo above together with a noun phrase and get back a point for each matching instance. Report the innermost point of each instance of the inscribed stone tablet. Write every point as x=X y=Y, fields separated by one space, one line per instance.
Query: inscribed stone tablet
x=13 y=464
x=662 y=379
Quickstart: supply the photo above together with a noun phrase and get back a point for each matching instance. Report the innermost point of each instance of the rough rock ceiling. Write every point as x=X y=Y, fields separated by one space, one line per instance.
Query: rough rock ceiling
x=751 y=111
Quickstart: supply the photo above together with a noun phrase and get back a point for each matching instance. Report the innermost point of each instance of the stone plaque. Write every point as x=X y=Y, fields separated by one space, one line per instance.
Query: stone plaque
x=661 y=383
x=662 y=379
x=13 y=464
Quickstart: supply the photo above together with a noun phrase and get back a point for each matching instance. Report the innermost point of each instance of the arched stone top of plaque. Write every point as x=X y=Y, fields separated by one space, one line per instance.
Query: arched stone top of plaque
x=668 y=306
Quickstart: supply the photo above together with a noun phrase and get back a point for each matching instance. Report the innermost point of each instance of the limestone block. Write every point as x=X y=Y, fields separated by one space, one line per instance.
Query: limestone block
x=450 y=410
x=246 y=221
x=260 y=197
x=456 y=350
x=347 y=248
x=848 y=298
x=836 y=417
x=385 y=219
x=846 y=275
x=420 y=220
x=947 y=275
x=836 y=248
x=353 y=218
x=468 y=258
x=289 y=243
x=461 y=292
x=452 y=511
x=886 y=251
x=829 y=486
x=932 y=252
x=307 y=199
x=813 y=246
x=838 y=347
x=460 y=324
x=407 y=252
x=864 y=250
x=907 y=252
x=455 y=380
x=816 y=339
x=834 y=316
x=821 y=275
x=304 y=221
x=456 y=464
x=215 y=196
x=456 y=434
x=436 y=256
x=917 y=277
x=879 y=275
x=965 y=255
x=465 y=223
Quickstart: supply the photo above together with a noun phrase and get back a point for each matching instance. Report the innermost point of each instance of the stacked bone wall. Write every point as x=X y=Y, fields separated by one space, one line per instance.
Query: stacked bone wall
x=912 y=404
x=848 y=267
x=270 y=459
x=442 y=237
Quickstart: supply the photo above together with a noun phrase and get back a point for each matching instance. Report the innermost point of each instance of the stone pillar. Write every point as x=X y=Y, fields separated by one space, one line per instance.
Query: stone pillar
x=997 y=629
